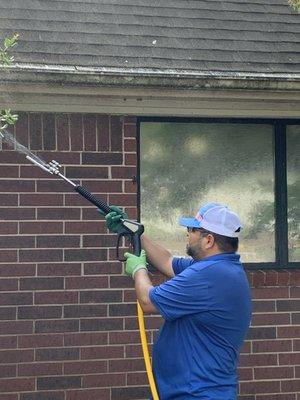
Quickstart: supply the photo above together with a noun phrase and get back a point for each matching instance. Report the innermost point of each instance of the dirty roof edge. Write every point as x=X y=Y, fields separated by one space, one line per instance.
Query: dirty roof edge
x=146 y=77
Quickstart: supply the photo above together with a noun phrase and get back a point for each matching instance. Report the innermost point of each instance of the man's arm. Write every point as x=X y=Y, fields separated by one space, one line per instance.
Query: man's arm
x=142 y=288
x=158 y=256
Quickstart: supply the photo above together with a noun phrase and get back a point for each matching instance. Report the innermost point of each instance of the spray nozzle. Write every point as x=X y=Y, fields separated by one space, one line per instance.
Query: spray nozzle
x=54 y=167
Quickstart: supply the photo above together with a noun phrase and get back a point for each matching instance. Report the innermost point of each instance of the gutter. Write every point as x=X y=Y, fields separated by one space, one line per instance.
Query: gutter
x=61 y=75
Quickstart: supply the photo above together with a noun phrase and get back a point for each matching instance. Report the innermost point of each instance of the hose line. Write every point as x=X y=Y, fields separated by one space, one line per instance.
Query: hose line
x=146 y=352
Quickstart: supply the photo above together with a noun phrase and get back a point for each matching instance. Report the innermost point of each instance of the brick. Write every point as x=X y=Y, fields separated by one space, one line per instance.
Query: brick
x=74 y=199
x=41 y=283
x=63 y=213
x=104 y=380
x=245 y=374
x=296 y=345
x=130 y=393
x=288 y=305
x=16 y=242
x=270 y=293
x=270 y=319
x=38 y=312
x=130 y=187
x=7 y=285
x=86 y=339
x=130 y=144
x=76 y=132
x=57 y=241
x=35 y=131
x=130 y=159
x=85 y=367
x=85 y=227
x=120 y=281
x=289 y=359
x=11 y=157
x=10 y=270
x=273 y=396
x=22 y=127
x=105 y=267
x=8 y=256
x=8 y=342
x=39 y=369
x=101 y=186
x=295 y=278
x=43 y=396
x=17 y=385
x=99 y=240
x=116 y=135
x=35 y=341
x=137 y=379
x=83 y=172
x=87 y=282
x=9 y=171
x=41 y=227
x=8 y=371
x=273 y=373
x=263 y=306
x=102 y=352
x=288 y=332
x=272 y=346
x=53 y=186
x=8 y=313
x=290 y=386
x=49 y=134
x=123 y=199
x=262 y=333
x=9 y=228
x=59 y=354
x=40 y=255
x=130 y=120
x=126 y=365
x=260 y=387
x=58 y=382
x=283 y=278
x=62 y=132
x=89 y=131
x=130 y=130
x=16 y=356
x=295 y=292
x=123 y=172
x=31 y=171
x=8 y=200
x=111 y=158
x=59 y=269
x=88 y=394
x=7 y=396
x=257 y=360
x=122 y=310
x=133 y=351
x=17 y=213
x=124 y=337
x=41 y=199
x=16 y=298
x=81 y=311
x=56 y=297
x=103 y=128
x=63 y=157
x=101 y=324
x=101 y=296
x=57 y=326
x=85 y=254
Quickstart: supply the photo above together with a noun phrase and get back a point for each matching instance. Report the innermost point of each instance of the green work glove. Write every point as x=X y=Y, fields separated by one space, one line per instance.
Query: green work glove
x=134 y=263
x=113 y=218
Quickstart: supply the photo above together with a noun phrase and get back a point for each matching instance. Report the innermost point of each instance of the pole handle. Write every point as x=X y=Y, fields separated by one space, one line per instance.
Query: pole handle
x=91 y=198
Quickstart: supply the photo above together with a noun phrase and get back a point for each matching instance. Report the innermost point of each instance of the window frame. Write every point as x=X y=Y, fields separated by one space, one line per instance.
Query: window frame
x=280 y=179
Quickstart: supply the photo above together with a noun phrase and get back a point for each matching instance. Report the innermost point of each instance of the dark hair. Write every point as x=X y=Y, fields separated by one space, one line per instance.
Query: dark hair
x=225 y=243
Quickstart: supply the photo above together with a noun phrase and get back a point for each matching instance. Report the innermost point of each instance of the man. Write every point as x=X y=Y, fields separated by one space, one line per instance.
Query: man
x=206 y=305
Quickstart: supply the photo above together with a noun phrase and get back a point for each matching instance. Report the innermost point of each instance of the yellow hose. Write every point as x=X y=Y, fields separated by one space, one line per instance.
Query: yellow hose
x=146 y=352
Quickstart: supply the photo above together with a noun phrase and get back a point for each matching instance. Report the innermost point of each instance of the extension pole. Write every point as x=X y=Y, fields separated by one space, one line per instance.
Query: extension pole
x=146 y=352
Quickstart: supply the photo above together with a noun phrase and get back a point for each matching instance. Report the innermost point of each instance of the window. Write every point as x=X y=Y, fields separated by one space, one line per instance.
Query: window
x=186 y=163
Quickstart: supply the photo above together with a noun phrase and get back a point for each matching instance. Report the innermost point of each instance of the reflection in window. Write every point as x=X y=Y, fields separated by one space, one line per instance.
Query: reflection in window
x=184 y=165
x=293 y=188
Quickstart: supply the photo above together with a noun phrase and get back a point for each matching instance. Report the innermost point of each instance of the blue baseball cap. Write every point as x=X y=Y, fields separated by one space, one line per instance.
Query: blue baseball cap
x=215 y=218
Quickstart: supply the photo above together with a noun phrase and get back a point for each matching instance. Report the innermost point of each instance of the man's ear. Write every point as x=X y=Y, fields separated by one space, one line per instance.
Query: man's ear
x=210 y=241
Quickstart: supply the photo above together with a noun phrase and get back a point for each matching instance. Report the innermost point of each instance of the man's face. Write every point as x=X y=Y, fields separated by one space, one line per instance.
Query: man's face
x=196 y=245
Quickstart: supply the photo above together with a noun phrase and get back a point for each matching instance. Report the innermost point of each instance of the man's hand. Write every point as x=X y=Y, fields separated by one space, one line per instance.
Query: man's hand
x=113 y=219
x=134 y=263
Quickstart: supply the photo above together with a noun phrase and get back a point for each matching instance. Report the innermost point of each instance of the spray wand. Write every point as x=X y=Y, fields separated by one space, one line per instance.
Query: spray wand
x=129 y=228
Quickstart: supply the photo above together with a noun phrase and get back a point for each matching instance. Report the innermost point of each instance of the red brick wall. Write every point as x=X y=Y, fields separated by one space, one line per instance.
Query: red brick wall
x=68 y=328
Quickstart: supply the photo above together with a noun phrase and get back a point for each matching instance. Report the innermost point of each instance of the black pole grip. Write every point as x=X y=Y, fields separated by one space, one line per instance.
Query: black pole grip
x=98 y=203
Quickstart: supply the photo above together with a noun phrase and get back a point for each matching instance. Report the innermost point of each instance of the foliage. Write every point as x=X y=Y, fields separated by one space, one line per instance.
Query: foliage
x=295 y=4
x=6 y=117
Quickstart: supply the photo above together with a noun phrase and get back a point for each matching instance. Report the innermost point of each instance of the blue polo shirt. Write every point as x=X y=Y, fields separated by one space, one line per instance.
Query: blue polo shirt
x=207 y=311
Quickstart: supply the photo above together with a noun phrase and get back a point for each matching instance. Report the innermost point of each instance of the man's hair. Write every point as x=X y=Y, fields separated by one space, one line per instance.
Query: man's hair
x=225 y=243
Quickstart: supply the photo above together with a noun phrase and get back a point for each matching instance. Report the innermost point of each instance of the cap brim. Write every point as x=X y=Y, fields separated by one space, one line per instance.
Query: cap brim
x=189 y=222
